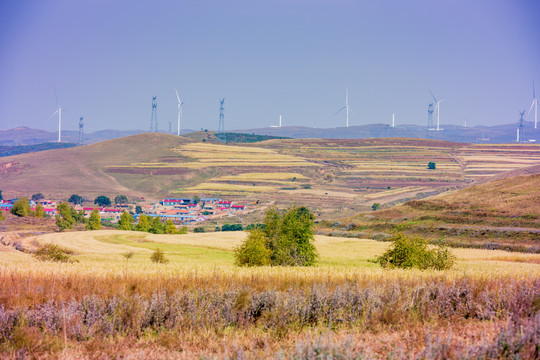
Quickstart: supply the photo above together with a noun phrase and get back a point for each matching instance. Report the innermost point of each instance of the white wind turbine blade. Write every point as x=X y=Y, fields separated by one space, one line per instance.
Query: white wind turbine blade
x=532 y=105
x=337 y=112
x=54 y=113
x=178 y=97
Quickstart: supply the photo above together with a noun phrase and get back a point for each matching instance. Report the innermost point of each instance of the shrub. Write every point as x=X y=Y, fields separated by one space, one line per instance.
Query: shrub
x=413 y=252
x=253 y=251
x=232 y=227
x=431 y=165
x=39 y=211
x=126 y=221
x=170 y=228
x=156 y=227
x=375 y=206
x=182 y=230
x=199 y=230
x=51 y=252
x=21 y=207
x=158 y=257
x=2 y=217
x=94 y=223
x=64 y=216
x=144 y=224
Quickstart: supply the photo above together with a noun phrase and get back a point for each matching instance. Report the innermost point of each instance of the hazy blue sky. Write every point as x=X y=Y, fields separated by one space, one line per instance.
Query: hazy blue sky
x=293 y=57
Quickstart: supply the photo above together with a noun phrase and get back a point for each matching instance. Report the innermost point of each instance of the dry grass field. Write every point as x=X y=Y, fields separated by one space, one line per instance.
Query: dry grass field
x=199 y=305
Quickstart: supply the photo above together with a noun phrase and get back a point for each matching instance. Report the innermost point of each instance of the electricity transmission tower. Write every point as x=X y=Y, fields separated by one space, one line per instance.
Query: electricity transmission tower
x=153 y=118
x=81 y=131
x=221 y=127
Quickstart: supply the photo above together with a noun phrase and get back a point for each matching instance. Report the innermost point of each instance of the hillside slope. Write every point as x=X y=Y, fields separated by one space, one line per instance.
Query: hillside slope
x=334 y=177
x=501 y=213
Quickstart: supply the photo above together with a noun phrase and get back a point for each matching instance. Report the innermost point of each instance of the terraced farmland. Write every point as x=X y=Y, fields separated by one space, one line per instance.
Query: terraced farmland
x=333 y=177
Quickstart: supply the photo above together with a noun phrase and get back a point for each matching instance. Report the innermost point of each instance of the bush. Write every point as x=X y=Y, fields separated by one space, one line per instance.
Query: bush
x=2 y=217
x=232 y=227
x=51 y=252
x=39 y=211
x=375 y=206
x=126 y=221
x=144 y=224
x=94 y=223
x=199 y=230
x=21 y=207
x=253 y=251
x=156 y=227
x=182 y=230
x=158 y=257
x=431 y=165
x=170 y=228
x=413 y=252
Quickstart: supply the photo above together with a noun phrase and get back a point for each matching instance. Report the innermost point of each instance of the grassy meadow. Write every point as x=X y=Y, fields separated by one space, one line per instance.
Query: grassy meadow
x=200 y=305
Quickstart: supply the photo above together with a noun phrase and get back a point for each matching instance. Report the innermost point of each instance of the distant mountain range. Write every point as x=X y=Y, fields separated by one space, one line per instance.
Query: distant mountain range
x=479 y=134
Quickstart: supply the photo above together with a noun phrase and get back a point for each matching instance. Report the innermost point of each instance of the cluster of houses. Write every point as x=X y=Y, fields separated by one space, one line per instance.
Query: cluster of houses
x=179 y=210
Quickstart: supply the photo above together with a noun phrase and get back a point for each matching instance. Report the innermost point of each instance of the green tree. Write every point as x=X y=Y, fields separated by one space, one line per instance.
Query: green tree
x=37 y=197
x=39 y=211
x=288 y=237
x=431 y=165
x=21 y=207
x=170 y=228
x=121 y=199
x=156 y=227
x=138 y=209
x=64 y=217
x=1 y=198
x=253 y=251
x=94 y=223
x=102 y=201
x=126 y=221
x=144 y=224
x=2 y=217
x=76 y=199
x=375 y=206
x=196 y=199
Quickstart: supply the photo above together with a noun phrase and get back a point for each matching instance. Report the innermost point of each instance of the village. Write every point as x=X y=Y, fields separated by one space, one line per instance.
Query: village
x=181 y=211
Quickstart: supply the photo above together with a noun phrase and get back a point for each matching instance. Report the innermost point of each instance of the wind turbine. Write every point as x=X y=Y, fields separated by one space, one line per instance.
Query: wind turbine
x=346 y=107
x=437 y=108
x=535 y=104
x=59 y=111
x=180 y=103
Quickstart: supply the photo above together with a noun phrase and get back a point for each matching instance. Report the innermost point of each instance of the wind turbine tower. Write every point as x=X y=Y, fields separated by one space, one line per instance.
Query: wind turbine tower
x=59 y=111
x=535 y=104
x=81 y=131
x=221 y=126
x=180 y=103
x=279 y=120
x=153 y=117
x=346 y=107
x=438 y=109
x=393 y=120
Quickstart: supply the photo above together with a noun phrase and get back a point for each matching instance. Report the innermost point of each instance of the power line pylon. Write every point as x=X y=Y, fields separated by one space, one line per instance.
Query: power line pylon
x=153 y=118
x=81 y=132
x=221 y=127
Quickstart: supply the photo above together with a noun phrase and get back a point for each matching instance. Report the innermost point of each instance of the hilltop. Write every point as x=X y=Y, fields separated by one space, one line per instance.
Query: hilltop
x=335 y=177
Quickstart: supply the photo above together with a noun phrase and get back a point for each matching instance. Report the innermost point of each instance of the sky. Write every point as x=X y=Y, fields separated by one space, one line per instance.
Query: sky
x=107 y=58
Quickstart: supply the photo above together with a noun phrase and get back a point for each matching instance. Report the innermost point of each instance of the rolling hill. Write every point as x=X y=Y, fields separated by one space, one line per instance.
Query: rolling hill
x=332 y=176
